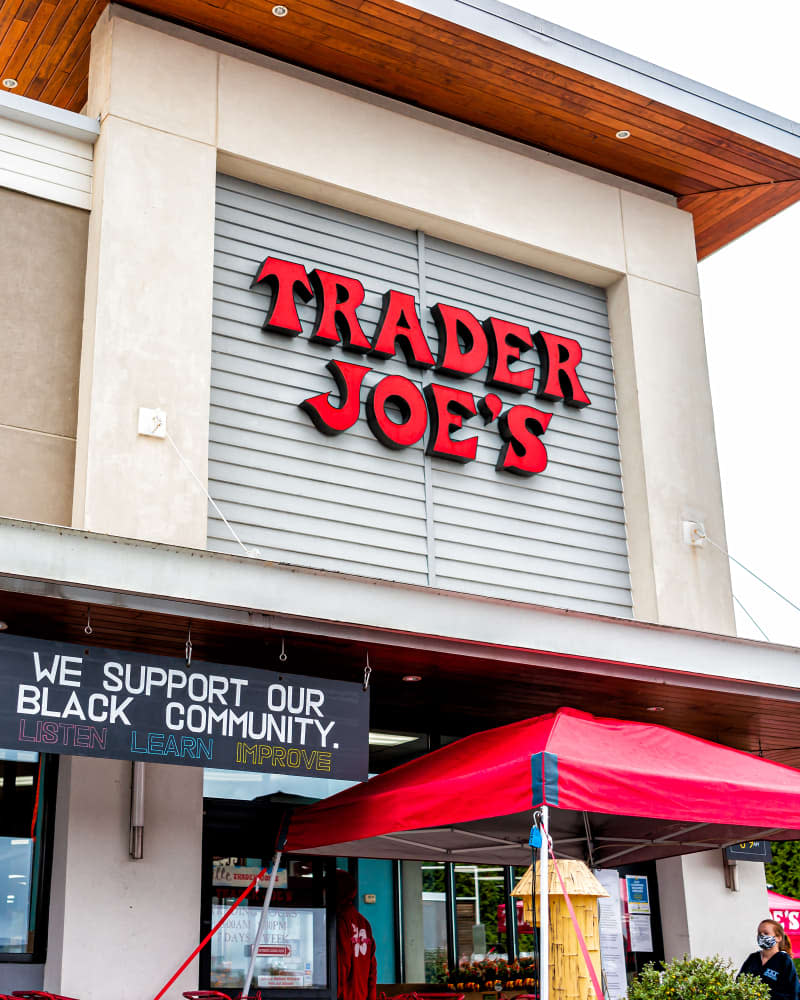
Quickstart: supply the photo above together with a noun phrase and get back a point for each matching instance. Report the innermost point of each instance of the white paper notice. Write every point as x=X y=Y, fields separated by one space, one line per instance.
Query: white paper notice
x=641 y=935
x=612 y=947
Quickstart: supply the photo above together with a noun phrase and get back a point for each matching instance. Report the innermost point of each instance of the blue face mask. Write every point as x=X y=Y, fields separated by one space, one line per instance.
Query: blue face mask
x=766 y=941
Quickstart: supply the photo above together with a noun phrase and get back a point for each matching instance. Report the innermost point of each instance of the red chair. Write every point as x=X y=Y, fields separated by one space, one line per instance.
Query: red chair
x=37 y=995
x=438 y=996
x=422 y=996
x=213 y=995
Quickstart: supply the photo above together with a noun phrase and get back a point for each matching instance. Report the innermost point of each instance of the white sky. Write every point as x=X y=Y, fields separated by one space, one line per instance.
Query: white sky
x=750 y=289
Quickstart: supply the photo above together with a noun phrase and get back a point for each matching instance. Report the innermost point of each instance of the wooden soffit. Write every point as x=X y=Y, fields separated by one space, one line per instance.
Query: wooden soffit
x=455 y=66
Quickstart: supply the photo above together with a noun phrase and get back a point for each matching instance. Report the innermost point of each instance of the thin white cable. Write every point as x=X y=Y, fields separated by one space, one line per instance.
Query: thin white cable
x=747 y=570
x=202 y=486
x=760 y=629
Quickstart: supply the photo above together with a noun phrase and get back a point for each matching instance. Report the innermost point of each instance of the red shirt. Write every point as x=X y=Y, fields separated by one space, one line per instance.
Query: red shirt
x=355 y=956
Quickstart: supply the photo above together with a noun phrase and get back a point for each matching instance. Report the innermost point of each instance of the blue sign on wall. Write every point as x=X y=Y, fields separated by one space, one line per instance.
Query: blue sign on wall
x=638 y=893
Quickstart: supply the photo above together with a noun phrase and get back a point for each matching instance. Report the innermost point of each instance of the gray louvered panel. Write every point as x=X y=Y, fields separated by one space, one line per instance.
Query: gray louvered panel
x=347 y=503
x=343 y=503
x=572 y=562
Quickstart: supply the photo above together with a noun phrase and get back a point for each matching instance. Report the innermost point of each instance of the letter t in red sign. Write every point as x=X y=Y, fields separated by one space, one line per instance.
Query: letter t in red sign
x=285 y=279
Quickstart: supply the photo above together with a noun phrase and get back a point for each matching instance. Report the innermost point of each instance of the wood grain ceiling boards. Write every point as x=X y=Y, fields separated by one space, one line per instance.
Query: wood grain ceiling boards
x=728 y=182
x=458 y=694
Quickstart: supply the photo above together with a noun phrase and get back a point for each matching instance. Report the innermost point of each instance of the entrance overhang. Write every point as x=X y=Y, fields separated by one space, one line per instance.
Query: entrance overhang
x=479 y=656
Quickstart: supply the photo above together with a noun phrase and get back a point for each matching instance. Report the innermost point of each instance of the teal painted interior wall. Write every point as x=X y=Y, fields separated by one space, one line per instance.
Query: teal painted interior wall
x=376 y=877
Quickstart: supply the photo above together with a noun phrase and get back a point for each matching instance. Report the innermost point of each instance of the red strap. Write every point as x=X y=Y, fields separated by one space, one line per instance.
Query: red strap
x=584 y=950
x=212 y=932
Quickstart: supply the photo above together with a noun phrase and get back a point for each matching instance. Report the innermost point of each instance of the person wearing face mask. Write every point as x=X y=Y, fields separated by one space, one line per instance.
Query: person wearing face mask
x=772 y=963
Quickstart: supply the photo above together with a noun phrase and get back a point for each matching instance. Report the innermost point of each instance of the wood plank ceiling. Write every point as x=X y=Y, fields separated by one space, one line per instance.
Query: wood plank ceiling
x=728 y=182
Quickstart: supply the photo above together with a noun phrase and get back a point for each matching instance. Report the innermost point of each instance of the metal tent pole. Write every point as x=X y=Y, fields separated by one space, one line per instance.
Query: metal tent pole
x=262 y=923
x=544 y=909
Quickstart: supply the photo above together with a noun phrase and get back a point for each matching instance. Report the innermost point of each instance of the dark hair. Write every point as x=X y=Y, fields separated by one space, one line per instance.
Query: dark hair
x=784 y=941
x=346 y=888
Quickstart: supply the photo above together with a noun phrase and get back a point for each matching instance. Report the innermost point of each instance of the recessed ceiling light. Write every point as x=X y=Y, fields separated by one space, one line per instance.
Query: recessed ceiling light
x=279 y=10
x=389 y=739
x=411 y=678
x=623 y=134
x=10 y=83
x=655 y=708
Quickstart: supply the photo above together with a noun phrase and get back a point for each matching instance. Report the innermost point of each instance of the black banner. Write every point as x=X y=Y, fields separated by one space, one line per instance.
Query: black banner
x=60 y=698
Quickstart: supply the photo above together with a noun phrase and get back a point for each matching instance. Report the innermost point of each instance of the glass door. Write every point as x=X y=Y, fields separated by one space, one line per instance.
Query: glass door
x=293 y=949
x=294 y=955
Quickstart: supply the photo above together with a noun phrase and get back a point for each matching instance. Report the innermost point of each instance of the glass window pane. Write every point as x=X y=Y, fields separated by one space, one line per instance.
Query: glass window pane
x=16 y=855
x=247 y=785
x=424 y=922
x=20 y=791
x=480 y=892
x=526 y=943
x=292 y=953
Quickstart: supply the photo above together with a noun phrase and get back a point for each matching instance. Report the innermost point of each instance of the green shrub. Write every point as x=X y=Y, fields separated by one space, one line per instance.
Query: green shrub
x=784 y=872
x=695 y=979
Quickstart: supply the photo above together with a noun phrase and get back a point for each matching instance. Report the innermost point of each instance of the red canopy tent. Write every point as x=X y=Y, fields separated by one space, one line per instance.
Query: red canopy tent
x=785 y=910
x=618 y=792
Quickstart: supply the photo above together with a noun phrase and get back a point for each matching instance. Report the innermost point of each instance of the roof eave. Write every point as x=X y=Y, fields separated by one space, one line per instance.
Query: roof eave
x=550 y=41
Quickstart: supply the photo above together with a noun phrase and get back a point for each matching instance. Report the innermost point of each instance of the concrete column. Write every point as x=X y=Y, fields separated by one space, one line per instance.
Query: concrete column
x=120 y=927
x=669 y=457
x=672 y=900
x=147 y=322
x=700 y=916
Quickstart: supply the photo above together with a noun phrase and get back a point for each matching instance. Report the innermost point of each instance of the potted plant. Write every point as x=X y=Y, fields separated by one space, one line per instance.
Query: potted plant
x=493 y=974
x=695 y=979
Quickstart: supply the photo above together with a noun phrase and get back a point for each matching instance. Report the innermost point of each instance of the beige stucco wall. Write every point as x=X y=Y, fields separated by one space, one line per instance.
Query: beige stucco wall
x=149 y=286
x=669 y=455
x=120 y=928
x=150 y=280
x=42 y=271
x=700 y=916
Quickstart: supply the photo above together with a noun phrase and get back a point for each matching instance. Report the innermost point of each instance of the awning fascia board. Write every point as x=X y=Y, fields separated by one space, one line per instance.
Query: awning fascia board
x=529 y=33
x=66 y=562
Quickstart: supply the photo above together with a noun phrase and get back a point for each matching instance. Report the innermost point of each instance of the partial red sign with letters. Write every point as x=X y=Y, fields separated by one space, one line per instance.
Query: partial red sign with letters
x=398 y=411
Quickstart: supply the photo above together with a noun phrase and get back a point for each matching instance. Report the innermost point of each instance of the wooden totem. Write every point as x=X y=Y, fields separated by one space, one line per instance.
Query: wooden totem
x=569 y=977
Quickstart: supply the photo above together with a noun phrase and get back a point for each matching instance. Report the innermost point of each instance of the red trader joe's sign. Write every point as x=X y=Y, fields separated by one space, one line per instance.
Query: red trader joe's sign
x=467 y=345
